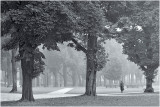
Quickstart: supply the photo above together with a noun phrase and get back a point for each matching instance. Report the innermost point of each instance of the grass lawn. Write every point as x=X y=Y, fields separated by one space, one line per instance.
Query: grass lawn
x=36 y=90
x=139 y=100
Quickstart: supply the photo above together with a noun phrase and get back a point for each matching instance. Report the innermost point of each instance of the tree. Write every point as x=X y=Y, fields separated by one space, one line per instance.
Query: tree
x=54 y=62
x=113 y=69
x=13 y=61
x=73 y=63
x=90 y=22
x=6 y=66
x=49 y=23
x=14 y=71
x=22 y=20
x=141 y=45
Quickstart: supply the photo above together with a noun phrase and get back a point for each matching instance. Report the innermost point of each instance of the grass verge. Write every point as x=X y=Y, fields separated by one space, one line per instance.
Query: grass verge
x=147 y=100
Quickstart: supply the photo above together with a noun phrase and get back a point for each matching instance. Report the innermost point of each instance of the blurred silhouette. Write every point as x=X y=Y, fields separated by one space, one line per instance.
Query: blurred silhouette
x=121 y=86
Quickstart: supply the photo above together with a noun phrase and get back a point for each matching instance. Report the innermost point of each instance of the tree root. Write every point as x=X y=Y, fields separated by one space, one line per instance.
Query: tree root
x=25 y=100
x=149 y=90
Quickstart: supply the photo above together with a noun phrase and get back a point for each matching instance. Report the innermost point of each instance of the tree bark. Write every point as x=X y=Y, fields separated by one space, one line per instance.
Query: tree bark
x=27 y=94
x=91 y=66
x=27 y=65
x=14 y=72
x=149 y=53
x=149 y=79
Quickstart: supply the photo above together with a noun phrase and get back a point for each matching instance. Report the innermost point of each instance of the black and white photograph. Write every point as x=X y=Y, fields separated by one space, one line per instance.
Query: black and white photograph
x=79 y=53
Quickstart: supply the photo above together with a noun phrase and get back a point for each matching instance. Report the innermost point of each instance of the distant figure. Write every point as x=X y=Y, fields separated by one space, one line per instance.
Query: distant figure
x=121 y=86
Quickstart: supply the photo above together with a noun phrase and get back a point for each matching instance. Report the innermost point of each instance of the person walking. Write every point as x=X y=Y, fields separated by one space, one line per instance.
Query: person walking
x=121 y=86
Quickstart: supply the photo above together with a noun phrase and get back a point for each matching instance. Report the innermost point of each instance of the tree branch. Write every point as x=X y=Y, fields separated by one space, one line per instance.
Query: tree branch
x=78 y=45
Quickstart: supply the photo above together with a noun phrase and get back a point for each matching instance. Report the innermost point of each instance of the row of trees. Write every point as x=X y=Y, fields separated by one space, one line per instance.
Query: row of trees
x=10 y=67
x=67 y=63
x=33 y=23
x=75 y=67
x=118 y=66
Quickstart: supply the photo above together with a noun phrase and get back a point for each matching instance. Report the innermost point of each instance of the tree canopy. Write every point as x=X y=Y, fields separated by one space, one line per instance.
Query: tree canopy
x=113 y=69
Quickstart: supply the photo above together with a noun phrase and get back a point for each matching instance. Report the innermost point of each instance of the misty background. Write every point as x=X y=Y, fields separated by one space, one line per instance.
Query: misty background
x=67 y=68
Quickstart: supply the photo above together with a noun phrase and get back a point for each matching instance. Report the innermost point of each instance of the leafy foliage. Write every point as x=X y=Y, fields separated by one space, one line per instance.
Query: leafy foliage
x=142 y=46
x=102 y=57
x=38 y=63
x=49 y=23
x=31 y=24
x=113 y=69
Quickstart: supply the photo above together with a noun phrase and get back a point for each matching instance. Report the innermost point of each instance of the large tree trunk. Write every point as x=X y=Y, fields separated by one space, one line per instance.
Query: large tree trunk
x=149 y=53
x=14 y=72
x=27 y=94
x=91 y=66
x=27 y=65
x=65 y=74
x=149 y=87
x=149 y=79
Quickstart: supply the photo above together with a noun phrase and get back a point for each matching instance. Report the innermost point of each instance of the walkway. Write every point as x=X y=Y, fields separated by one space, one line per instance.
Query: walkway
x=61 y=93
x=55 y=94
x=129 y=94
